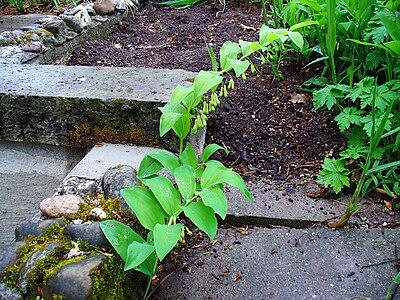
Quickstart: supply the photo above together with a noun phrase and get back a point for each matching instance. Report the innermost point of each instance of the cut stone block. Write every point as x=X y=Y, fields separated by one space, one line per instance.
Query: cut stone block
x=82 y=105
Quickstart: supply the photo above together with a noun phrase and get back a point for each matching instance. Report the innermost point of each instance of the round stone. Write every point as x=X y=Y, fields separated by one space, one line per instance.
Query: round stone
x=60 y=205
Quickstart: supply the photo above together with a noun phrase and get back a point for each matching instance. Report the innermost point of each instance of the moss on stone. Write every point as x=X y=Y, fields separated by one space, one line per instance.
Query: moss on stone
x=85 y=135
x=112 y=282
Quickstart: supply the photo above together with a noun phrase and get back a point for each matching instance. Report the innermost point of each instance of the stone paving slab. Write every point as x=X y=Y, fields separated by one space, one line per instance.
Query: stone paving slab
x=275 y=205
x=10 y=22
x=289 y=264
x=101 y=158
x=70 y=104
x=28 y=174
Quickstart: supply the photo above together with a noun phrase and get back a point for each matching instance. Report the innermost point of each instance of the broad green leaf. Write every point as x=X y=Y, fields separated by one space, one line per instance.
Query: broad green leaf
x=182 y=126
x=148 y=167
x=137 y=253
x=234 y=179
x=328 y=95
x=302 y=24
x=202 y=216
x=368 y=122
x=334 y=174
x=166 y=158
x=171 y=114
x=394 y=46
x=215 y=198
x=391 y=27
x=186 y=181
x=188 y=156
x=248 y=48
x=145 y=206
x=166 y=194
x=210 y=150
x=120 y=236
x=349 y=115
x=205 y=81
x=212 y=174
x=229 y=50
x=167 y=121
x=297 y=39
x=165 y=238
x=216 y=173
x=239 y=66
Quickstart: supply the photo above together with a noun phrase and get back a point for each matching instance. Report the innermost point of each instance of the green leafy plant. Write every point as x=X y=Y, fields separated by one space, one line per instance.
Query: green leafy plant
x=375 y=136
x=196 y=191
x=396 y=281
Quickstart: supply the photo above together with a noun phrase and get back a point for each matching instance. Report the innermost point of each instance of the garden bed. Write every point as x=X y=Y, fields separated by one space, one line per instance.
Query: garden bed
x=268 y=124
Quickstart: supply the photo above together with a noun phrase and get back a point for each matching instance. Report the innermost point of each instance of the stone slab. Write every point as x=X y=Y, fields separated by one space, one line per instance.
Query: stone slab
x=11 y=22
x=28 y=174
x=71 y=104
x=101 y=158
x=276 y=205
x=289 y=264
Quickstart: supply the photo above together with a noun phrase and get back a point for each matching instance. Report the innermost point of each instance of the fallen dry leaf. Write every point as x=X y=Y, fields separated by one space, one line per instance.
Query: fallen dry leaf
x=118 y=46
x=298 y=98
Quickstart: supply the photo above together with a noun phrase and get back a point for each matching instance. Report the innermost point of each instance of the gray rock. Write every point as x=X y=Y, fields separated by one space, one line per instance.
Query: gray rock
x=55 y=26
x=84 y=18
x=8 y=255
x=73 y=23
x=48 y=19
x=71 y=35
x=31 y=263
x=7 y=293
x=35 y=47
x=73 y=281
x=98 y=212
x=117 y=178
x=34 y=228
x=105 y=7
x=4 y=40
x=90 y=233
x=100 y=19
x=79 y=186
x=74 y=10
x=90 y=9
x=121 y=5
x=60 y=205
x=30 y=27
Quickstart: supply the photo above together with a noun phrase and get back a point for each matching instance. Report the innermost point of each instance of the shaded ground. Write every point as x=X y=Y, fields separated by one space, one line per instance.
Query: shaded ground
x=266 y=132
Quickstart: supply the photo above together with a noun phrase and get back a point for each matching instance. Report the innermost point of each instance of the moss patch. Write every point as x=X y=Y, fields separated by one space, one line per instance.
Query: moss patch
x=85 y=135
x=110 y=281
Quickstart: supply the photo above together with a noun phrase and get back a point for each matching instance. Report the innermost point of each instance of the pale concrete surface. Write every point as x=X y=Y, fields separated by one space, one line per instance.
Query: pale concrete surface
x=101 y=158
x=105 y=83
x=291 y=264
x=28 y=174
x=10 y=22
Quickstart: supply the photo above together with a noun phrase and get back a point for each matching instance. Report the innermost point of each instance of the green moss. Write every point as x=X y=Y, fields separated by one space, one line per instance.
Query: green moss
x=112 y=282
x=85 y=135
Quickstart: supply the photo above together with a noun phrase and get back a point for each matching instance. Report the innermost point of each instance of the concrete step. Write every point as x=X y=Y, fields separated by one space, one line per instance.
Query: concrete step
x=78 y=106
x=28 y=174
x=287 y=264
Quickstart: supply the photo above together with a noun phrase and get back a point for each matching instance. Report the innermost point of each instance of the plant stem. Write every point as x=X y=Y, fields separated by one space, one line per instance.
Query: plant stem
x=150 y=280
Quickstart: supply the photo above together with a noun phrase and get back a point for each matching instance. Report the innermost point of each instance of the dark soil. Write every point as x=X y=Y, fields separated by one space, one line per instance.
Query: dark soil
x=267 y=134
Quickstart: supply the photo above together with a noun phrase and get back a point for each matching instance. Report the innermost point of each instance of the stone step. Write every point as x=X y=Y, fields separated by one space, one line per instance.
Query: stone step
x=69 y=105
x=288 y=264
